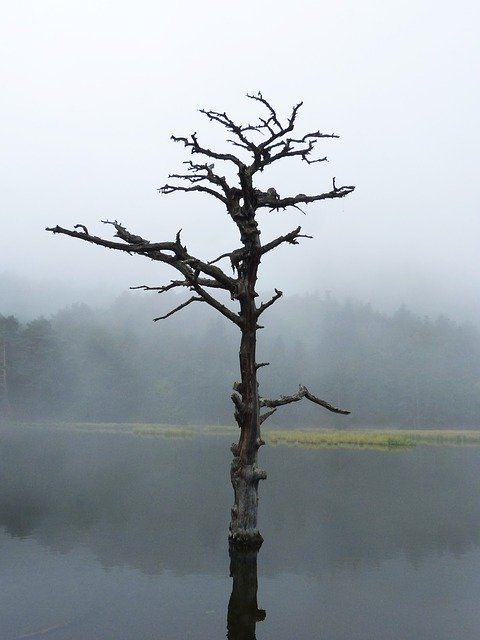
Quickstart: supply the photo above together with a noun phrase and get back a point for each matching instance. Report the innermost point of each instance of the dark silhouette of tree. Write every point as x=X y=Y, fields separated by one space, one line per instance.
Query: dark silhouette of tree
x=205 y=279
x=243 y=612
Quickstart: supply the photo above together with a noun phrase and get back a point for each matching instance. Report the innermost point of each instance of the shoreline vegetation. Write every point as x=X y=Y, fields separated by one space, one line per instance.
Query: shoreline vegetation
x=374 y=438
x=309 y=438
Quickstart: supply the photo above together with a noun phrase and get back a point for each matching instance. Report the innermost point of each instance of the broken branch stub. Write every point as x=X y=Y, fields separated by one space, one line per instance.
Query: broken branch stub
x=302 y=392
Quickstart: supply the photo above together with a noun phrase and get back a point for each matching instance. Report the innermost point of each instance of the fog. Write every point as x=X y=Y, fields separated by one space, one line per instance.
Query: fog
x=115 y=365
x=92 y=91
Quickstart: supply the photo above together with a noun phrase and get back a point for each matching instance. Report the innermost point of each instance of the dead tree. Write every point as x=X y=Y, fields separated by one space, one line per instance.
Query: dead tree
x=268 y=141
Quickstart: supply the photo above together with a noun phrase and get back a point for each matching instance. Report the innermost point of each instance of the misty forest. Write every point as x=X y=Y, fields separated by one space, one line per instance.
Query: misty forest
x=115 y=365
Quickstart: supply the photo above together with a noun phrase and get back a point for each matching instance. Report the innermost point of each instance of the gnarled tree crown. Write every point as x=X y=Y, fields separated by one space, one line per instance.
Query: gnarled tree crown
x=242 y=201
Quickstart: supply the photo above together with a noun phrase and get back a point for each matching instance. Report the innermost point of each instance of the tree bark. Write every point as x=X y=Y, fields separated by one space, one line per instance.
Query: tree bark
x=244 y=474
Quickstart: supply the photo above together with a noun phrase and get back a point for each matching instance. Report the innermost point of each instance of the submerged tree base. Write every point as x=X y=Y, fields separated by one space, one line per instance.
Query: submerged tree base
x=249 y=540
x=243 y=532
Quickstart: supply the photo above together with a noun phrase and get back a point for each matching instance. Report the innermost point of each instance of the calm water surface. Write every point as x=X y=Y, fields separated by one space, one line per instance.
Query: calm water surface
x=112 y=536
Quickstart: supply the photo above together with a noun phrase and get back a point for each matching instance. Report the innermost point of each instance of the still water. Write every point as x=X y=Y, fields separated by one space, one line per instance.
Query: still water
x=115 y=536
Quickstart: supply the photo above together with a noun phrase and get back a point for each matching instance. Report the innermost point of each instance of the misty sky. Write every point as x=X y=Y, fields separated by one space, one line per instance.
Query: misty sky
x=91 y=92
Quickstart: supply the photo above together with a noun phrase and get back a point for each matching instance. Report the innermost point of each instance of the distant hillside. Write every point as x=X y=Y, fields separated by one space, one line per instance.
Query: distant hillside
x=115 y=364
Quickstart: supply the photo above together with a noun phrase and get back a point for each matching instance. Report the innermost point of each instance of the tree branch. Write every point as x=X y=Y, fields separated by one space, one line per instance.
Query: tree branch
x=81 y=226
x=265 y=305
x=133 y=248
x=228 y=123
x=195 y=147
x=301 y=198
x=171 y=188
x=273 y=120
x=167 y=287
x=266 y=415
x=291 y=238
x=273 y=116
x=277 y=146
x=123 y=234
x=289 y=152
x=216 y=304
x=204 y=282
x=179 y=308
x=199 y=173
x=303 y=392
x=179 y=258
x=209 y=175
x=224 y=255
x=196 y=284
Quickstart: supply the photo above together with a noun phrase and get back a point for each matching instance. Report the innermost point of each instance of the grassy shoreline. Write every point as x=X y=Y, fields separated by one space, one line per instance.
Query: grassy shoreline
x=374 y=438
x=129 y=428
x=314 y=438
x=335 y=438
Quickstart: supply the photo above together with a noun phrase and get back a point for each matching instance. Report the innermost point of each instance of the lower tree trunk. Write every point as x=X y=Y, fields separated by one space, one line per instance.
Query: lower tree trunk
x=245 y=475
x=243 y=526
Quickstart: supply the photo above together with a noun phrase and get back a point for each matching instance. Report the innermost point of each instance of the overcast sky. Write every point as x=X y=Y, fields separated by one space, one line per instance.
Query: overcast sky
x=91 y=92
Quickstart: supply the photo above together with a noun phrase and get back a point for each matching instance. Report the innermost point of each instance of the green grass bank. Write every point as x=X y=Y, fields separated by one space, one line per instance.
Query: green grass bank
x=358 y=438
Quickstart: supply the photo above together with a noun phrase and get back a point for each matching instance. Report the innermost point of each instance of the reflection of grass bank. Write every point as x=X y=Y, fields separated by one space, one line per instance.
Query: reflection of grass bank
x=376 y=438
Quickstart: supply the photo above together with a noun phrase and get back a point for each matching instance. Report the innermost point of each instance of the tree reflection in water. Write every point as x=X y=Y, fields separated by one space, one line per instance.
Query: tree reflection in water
x=243 y=612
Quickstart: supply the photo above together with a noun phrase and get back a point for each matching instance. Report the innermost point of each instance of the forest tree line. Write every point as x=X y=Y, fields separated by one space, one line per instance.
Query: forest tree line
x=115 y=365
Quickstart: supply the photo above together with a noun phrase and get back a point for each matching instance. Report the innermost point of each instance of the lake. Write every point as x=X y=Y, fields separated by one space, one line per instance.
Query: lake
x=113 y=536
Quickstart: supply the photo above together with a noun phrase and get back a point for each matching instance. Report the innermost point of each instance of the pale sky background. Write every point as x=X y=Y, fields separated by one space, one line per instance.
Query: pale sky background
x=92 y=91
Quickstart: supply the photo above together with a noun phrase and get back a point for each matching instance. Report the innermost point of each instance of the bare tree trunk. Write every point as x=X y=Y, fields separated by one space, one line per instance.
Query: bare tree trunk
x=245 y=475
